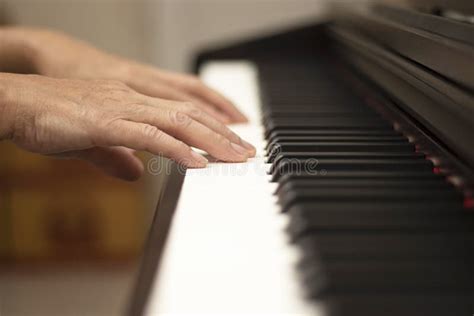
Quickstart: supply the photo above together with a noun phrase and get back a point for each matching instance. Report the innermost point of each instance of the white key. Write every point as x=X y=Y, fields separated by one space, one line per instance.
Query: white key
x=227 y=252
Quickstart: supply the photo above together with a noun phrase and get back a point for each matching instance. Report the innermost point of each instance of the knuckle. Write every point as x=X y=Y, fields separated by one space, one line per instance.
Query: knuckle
x=101 y=127
x=152 y=132
x=187 y=105
x=220 y=140
x=180 y=119
x=192 y=110
x=32 y=133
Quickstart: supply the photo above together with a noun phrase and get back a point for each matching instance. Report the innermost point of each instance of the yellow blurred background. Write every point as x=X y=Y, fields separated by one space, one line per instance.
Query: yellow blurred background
x=55 y=209
x=61 y=219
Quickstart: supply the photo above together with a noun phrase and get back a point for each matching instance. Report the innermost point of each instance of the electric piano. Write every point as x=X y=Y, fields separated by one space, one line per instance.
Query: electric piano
x=359 y=201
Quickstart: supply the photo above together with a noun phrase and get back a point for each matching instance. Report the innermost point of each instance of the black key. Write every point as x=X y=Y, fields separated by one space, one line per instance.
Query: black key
x=331 y=138
x=446 y=216
x=361 y=175
x=365 y=183
x=385 y=245
x=275 y=159
x=312 y=112
x=341 y=146
x=440 y=303
x=318 y=92
x=309 y=110
x=327 y=166
x=391 y=276
x=380 y=232
x=332 y=132
x=396 y=195
x=336 y=163
x=327 y=123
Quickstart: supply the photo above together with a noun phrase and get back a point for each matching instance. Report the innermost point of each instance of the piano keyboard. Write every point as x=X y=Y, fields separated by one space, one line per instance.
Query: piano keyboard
x=339 y=213
x=380 y=232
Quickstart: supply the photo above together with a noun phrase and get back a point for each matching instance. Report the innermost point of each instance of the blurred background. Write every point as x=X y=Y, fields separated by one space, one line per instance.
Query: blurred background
x=71 y=237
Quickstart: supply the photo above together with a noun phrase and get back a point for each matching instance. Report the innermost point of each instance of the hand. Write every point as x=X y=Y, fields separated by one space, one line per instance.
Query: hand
x=101 y=121
x=64 y=57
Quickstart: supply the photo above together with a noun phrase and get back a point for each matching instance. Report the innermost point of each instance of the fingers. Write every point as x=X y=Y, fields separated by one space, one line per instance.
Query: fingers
x=163 y=84
x=216 y=126
x=205 y=119
x=192 y=132
x=200 y=89
x=154 y=89
x=146 y=137
x=118 y=162
x=197 y=88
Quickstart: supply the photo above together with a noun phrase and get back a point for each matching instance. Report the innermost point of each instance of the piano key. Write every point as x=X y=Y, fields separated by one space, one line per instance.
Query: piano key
x=316 y=107
x=400 y=303
x=388 y=189
x=327 y=166
x=407 y=175
x=289 y=107
x=327 y=123
x=352 y=245
x=397 y=215
x=309 y=110
x=305 y=139
x=329 y=132
x=379 y=138
x=369 y=183
x=414 y=216
x=386 y=276
x=275 y=159
x=340 y=163
x=396 y=195
x=342 y=146
x=320 y=94
x=210 y=217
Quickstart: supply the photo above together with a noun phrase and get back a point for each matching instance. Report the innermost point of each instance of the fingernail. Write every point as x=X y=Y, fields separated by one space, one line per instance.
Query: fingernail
x=250 y=148
x=199 y=158
x=239 y=149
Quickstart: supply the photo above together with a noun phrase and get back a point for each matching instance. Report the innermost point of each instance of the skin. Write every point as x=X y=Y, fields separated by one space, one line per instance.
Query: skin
x=87 y=104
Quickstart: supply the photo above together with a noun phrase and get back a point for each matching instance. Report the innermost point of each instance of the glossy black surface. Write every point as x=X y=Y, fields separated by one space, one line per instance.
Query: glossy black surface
x=377 y=225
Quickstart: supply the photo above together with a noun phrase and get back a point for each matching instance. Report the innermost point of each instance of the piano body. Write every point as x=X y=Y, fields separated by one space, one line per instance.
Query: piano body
x=359 y=201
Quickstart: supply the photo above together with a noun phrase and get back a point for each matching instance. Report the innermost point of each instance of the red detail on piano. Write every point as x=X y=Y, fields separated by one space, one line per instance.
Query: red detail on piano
x=468 y=202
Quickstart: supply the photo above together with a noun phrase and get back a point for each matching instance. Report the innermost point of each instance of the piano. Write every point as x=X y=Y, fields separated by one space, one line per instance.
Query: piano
x=360 y=199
